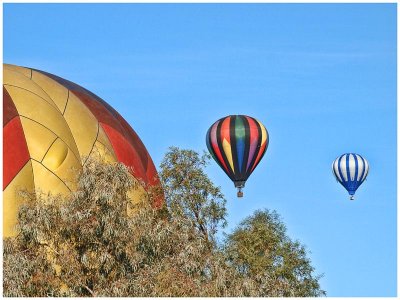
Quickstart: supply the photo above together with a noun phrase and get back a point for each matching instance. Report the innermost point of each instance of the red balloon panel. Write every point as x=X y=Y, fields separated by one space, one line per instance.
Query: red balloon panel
x=15 y=150
x=9 y=110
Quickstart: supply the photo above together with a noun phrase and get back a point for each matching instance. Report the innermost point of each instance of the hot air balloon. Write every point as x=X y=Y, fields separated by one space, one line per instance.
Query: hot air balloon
x=237 y=143
x=350 y=170
x=50 y=126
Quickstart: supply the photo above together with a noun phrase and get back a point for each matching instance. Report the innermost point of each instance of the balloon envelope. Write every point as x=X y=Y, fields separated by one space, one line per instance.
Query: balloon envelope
x=237 y=143
x=50 y=127
x=350 y=170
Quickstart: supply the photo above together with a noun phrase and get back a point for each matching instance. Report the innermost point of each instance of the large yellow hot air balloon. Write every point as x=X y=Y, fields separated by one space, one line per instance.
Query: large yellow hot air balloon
x=49 y=125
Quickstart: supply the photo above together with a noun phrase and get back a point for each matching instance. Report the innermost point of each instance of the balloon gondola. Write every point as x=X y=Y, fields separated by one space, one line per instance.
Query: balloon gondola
x=350 y=170
x=237 y=143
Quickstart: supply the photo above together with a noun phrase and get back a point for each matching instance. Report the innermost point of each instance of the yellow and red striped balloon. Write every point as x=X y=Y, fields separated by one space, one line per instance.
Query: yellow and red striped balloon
x=237 y=143
x=50 y=127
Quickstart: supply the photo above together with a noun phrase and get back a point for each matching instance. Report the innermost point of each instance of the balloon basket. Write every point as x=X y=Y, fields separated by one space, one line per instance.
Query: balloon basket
x=239 y=185
x=352 y=197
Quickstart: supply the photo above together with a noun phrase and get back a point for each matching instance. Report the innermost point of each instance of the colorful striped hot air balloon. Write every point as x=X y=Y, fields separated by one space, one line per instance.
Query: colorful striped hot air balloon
x=237 y=143
x=350 y=170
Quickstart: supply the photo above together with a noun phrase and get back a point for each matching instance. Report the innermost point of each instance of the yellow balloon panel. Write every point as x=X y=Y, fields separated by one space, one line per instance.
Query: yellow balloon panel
x=62 y=162
x=100 y=151
x=82 y=124
x=24 y=71
x=33 y=107
x=56 y=91
x=56 y=155
x=12 y=201
x=137 y=195
x=38 y=138
x=103 y=139
x=46 y=181
x=18 y=79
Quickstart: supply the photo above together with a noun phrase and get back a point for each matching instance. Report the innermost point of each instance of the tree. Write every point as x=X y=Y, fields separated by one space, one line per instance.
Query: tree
x=260 y=250
x=89 y=245
x=190 y=193
x=98 y=242
x=76 y=236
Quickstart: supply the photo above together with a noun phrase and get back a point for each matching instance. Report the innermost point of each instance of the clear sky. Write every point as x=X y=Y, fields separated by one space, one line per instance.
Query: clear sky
x=321 y=77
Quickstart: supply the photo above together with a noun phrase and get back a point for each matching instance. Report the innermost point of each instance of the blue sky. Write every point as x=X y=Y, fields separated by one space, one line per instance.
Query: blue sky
x=321 y=77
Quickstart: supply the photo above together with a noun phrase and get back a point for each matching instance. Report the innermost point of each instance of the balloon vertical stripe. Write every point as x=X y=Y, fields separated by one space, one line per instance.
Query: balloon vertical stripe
x=233 y=141
x=263 y=132
x=264 y=137
x=209 y=145
x=226 y=141
x=220 y=140
x=215 y=149
x=253 y=140
x=355 y=165
x=367 y=170
x=335 y=168
x=240 y=134
x=352 y=169
x=246 y=148
x=361 y=167
x=348 y=168
x=342 y=166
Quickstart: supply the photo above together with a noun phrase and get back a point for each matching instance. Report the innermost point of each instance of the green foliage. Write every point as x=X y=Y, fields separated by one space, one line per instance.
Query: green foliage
x=260 y=249
x=190 y=193
x=99 y=242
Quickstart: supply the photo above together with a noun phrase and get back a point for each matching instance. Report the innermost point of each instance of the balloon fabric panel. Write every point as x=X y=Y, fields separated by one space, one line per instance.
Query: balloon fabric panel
x=263 y=145
x=38 y=138
x=212 y=144
x=226 y=141
x=15 y=150
x=125 y=152
x=82 y=123
x=11 y=199
x=342 y=166
x=365 y=169
x=57 y=94
x=9 y=110
x=240 y=134
x=254 y=135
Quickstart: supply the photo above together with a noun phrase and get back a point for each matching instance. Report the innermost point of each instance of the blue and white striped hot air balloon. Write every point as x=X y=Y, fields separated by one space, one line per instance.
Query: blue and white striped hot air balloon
x=350 y=170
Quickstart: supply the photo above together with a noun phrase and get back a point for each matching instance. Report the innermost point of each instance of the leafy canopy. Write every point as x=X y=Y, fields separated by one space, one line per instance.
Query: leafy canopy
x=99 y=242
